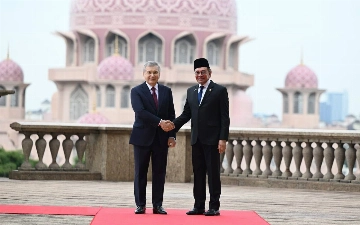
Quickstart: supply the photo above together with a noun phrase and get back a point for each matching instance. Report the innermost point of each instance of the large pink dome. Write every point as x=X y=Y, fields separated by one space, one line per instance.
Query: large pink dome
x=10 y=71
x=212 y=15
x=301 y=77
x=93 y=118
x=115 y=68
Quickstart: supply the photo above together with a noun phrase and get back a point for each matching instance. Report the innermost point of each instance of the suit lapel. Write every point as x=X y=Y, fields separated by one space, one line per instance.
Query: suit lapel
x=208 y=92
x=195 y=95
x=161 y=95
x=148 y=95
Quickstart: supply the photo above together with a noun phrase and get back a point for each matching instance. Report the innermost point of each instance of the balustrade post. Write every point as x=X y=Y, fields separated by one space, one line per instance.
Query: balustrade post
x=40 y=148
x=248 y=154
x=287 y=154
x=266 y=150
x=297 y=154
x=257 y=152
x=238 y=152
x=308 y=157
x=318 y=158
x=26 y=144
x=54 y=145
x=340 y=158
x=350 y=158
x=329 y=160
x=222 y=155
x=80 y=150
x=277 y=153
x=358 y=160
x=67 y=147
x=229 y=153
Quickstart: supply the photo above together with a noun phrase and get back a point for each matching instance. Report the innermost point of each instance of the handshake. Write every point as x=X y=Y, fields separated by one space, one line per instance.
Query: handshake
x=167 y=125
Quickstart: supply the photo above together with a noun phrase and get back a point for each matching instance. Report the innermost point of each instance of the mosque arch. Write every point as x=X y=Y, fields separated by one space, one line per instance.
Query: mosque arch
x=123 y=45
x=79 y=103
x=184 y=49
x=298 y=103
x=3 y=98
x=110 y=96
x=213 y=49
x=311 y=103
x=150 y=48
x=14 y=102
x=125 y=97
x=98 y=96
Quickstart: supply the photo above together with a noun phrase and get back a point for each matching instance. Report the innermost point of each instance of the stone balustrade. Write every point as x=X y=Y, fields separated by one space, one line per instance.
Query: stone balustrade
x=6 y=92
x=261 y=154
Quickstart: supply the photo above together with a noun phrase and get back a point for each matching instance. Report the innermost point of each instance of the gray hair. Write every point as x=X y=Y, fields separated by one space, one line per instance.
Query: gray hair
x=151 y=64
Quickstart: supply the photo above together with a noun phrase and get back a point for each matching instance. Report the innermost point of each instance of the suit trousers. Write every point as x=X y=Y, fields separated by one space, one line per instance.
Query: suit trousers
x=206 y=159
x=142 y=156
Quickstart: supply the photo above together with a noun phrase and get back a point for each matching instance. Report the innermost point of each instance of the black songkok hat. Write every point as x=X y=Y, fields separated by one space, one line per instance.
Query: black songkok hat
x=201 y=62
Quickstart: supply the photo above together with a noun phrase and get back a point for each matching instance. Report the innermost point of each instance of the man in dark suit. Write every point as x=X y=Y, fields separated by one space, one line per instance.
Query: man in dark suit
x=207 y=105
x=153 y=107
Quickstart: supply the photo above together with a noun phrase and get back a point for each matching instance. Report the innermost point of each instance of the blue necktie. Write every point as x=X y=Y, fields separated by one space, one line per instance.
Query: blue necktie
x=200 y=94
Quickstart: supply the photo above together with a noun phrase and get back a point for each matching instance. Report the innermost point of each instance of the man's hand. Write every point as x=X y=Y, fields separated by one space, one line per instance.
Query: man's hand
x=167 y=125
x=171 y=142
x=222 y=146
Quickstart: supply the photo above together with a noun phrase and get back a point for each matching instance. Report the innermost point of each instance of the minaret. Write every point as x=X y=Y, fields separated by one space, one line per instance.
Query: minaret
x=301 y=98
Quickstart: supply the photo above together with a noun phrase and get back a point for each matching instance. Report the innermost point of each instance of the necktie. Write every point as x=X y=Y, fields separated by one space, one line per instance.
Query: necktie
x=200 y=94
x=154 y=96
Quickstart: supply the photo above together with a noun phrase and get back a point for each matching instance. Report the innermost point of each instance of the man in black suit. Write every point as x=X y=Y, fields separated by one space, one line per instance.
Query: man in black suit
x=153 y=106
x=207 y=105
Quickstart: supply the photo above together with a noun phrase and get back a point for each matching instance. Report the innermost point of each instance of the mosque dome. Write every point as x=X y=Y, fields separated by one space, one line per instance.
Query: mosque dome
x=10 y=71
x=115 y=67
x=203 y=15
x=301 y=77
x=93 y=118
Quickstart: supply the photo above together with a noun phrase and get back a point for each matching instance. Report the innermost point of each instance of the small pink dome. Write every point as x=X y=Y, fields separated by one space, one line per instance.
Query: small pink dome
x=10 y=71
x=93 y=118
x=115 y=68
x=301 y=77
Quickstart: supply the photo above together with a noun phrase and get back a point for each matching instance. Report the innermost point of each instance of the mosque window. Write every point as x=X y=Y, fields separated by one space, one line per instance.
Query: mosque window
x=150 y=49
x=78 y=103
x=70 y=52
x=125 y=96
x=184 y=51
x=98 y=97
x=121 y=43
x=213 y=52
x=15 y=98
x=232 y=56
x=3 y=98
x=286 y=103
x=110 y=96
x=89 y=50
x=311 y=104
x=298 y=103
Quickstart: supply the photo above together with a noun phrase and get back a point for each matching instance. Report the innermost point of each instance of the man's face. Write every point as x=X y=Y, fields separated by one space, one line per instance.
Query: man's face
x=202 y=75
x=151 y=75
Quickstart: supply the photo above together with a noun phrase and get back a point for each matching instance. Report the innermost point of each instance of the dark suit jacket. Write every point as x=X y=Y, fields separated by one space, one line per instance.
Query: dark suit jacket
x=147 y=117
x=209 y=121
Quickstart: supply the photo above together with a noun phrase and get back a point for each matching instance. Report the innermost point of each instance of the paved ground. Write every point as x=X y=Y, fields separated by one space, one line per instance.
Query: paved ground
x=277 y=206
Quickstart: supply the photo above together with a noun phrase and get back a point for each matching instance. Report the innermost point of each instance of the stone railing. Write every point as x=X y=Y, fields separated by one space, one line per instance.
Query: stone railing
x=6 y=92
x=251 y=155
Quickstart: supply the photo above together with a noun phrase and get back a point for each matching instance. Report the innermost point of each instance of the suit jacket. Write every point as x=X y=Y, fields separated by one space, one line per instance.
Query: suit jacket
x=147 y=117
x=210 y=120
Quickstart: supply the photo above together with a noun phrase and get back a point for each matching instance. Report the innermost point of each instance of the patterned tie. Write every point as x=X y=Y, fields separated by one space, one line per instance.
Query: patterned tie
x=200 y=94
x=154 y=96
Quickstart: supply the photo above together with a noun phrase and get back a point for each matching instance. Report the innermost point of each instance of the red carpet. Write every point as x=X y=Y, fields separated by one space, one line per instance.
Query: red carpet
x=112 y=216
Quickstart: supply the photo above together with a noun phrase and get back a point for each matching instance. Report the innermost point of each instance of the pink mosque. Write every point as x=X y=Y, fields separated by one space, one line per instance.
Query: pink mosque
x=110 y=40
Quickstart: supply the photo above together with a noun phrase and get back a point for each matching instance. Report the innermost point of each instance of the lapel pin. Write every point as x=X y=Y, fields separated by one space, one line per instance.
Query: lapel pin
x=209 y=89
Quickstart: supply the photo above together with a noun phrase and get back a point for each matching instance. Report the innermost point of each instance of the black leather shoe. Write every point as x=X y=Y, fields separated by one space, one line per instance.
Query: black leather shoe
x=212 y=212
x=159 y=210
x=195 y=211
x=140 y=210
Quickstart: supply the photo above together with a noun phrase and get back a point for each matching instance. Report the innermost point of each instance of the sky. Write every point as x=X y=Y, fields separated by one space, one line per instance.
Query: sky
x=326 y=31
